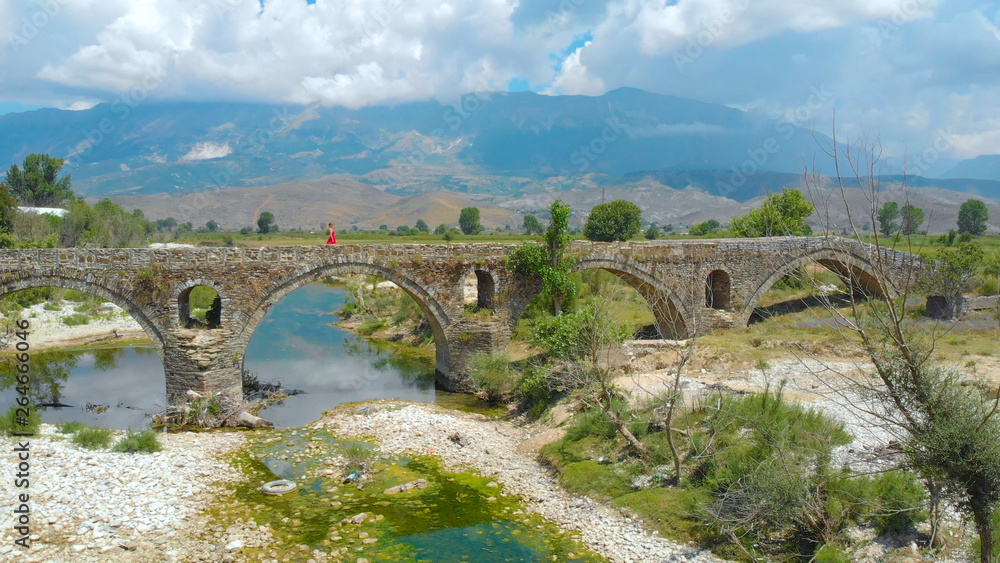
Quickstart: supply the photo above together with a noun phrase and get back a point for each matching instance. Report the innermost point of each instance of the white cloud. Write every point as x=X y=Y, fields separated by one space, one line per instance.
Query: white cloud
x=574 y=78
x=207 y=151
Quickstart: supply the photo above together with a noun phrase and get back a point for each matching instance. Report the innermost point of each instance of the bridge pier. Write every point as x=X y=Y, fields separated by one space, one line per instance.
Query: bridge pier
x=466 y=339
x=204 y=361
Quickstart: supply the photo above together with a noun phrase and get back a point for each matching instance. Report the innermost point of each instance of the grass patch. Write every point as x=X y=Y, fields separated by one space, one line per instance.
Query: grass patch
x=76 y=319
x=594 y=479
x=91 y=438
x=71 y=427
x=9 y=421
x=370 y=326
x=674 y=512
x=49 y=306
x=138 y=442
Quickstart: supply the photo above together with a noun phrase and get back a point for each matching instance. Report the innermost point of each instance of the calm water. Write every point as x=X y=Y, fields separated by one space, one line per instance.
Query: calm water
x=295 y=344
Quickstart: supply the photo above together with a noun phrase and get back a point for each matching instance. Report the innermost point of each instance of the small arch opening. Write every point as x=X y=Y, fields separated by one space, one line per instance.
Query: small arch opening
x=479 y=290
x=200 y=307
x=718 y=289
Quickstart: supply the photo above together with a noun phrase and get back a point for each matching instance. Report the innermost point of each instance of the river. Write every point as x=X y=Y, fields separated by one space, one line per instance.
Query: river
x=296 y=344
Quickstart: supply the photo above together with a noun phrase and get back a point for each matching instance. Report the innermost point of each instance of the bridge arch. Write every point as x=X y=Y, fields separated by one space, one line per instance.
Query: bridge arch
x=435 y=313
x=718 y=290
x=183 y=292
x=854 y=270
x=671 y=319
x=130 y=306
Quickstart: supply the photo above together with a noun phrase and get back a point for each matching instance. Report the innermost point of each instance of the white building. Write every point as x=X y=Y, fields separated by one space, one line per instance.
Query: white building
x=44 y=210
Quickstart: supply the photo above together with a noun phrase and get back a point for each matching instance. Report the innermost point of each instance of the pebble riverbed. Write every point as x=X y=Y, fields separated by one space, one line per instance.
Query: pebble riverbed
x=490 y=447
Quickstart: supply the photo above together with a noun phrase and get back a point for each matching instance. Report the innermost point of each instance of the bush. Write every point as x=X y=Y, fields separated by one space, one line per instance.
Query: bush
x=91 y=438
x=559 y=335
x=76 y=319
x=8 y=426
x=492 y=377
x=70 y=427
x=138 y=442
x=358 y=458
x=535 y=389
x=370 y=326
x=897 y=500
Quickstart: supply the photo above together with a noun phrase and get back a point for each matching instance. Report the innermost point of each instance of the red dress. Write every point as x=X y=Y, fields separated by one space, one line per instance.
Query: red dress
x=333 y=238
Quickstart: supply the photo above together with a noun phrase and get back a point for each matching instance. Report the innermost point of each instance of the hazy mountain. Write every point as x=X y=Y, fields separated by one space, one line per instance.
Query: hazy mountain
x=984 y=167
x=512 y=138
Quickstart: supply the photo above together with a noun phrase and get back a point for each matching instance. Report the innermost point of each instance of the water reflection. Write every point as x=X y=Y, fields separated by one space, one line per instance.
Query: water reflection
x=123 y=386
x=297 y=345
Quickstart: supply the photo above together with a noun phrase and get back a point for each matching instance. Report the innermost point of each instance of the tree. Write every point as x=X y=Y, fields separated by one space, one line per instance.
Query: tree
x=265 y=222
x=468 y=220
x=403 y=229
x=705 y=228
x=532 y=226
x=972 y=218
x=550 y=262
x=8 y=207
x=212 y=226
x=37 y=185
x=912 y=217
x=652 y=232
x=887 y=216
x=422 y=226
x=441 y=229
x=383 y=227
x=618 y=220
x=947 y=429
x=780 y=215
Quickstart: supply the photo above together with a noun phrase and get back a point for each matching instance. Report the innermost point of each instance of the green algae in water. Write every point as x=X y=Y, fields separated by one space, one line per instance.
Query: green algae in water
x=458 y=517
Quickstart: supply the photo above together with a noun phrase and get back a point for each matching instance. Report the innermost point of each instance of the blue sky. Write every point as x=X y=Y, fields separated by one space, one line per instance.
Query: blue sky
x=911 y=70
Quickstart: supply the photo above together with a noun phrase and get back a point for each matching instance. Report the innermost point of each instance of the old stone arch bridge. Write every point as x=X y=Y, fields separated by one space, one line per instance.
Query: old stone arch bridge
x=690 y=285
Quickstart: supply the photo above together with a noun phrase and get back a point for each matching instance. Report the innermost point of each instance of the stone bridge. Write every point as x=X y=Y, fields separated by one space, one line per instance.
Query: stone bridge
x=690 y=286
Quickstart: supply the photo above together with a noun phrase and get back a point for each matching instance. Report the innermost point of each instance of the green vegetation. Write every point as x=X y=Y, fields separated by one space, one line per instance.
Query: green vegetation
x=887 y=217
x=37 y=184
x=265 y=223
x=618 y=220
x=532 y=226
x=972 y=218
x=550 y=263
x=70 y=427
x=11 y=421
x=138 y=442
x=780 y=215
x=912 y=218
x=76 y=319
x=91 y=438
x=468 y=220
x=708 y=228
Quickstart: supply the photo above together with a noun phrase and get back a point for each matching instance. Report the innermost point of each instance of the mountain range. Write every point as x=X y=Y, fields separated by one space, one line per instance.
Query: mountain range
x=509 y=153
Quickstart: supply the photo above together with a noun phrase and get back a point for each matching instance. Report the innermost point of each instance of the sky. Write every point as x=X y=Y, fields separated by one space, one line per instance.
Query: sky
x=918 y=73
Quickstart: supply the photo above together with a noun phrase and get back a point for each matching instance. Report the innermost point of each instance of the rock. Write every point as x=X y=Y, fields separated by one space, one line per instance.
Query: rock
x=234 y=546
x=193 y=395
x=358 y=518
x=412 y=485
x=248 y=420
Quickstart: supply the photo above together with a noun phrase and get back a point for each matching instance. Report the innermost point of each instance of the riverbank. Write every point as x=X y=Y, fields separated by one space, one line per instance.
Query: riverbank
x=97 y=506
x=49 y=330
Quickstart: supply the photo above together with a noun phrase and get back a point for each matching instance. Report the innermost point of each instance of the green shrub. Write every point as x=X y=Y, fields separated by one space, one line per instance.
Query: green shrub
x=91 y=438
x=71 y=427
x=369 y=326
x=358 y=457
x=535 y=389
x=492 y=377
x=990 y=286
x=897 y=500
x=76 y=319
x=592 y=422
x=559 y=335
x=8 y=421
x=83 y=307
x=52 y=307
x=136 y=442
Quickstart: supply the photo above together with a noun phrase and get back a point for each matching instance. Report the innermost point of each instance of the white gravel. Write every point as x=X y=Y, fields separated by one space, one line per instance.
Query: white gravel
x=48 y=330
x=491 y=448
x=102 y=506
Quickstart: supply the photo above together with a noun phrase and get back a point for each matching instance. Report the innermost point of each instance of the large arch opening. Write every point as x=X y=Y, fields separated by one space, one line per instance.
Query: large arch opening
x=718 y=290
x=824 y=279
x=106 y=384
x=345 y=333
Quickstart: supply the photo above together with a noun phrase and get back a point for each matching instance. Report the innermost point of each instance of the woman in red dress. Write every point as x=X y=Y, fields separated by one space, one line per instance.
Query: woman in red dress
x=333 y=236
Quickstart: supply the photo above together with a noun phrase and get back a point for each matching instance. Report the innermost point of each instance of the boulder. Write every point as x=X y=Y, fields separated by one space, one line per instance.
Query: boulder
x=248 y=420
